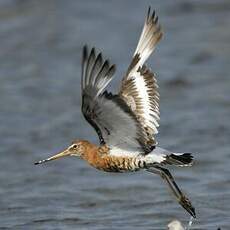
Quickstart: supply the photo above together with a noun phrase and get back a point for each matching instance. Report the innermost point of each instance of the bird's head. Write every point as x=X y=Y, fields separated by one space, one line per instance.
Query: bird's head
x=77 y=148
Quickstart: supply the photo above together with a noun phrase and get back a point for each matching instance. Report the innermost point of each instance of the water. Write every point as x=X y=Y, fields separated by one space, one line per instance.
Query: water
x=40 y=43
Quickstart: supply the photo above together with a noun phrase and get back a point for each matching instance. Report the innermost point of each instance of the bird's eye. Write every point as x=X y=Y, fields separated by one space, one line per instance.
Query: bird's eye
x=74 y=146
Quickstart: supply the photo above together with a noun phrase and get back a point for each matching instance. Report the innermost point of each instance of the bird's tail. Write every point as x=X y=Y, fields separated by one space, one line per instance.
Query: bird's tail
x=164 y=157
x=179 y=159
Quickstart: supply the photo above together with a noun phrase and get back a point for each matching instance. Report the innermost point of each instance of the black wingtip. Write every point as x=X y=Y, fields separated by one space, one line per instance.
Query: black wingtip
x=149 y=10
x=85 y=52
x=111 y=71
x=151 y=16
x=92 y=52
x=113 y=68
x=155 y=20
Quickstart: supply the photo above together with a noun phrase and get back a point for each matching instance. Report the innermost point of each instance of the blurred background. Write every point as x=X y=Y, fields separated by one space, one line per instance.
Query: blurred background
x=40 y=57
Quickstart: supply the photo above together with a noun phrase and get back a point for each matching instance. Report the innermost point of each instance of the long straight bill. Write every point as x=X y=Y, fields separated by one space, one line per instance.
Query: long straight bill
x=59 y=155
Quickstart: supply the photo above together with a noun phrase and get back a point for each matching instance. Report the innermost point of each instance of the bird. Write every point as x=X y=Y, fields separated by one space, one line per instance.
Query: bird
x=127 y=122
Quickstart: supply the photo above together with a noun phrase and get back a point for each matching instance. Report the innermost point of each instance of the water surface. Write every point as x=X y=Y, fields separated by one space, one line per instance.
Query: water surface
x=40 y=43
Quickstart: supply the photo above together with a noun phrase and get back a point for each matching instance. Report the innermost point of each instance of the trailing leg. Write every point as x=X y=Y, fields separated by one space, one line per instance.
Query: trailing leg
x=181 y=198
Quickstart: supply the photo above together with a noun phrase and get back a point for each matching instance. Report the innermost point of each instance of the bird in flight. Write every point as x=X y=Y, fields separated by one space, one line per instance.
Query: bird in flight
x=127 y=122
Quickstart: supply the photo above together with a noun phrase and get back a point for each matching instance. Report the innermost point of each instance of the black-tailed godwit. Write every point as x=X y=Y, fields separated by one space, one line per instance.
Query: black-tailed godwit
x=127 y=122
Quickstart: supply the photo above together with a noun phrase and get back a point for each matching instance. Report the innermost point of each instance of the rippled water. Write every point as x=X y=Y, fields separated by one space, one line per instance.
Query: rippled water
x=40 y=43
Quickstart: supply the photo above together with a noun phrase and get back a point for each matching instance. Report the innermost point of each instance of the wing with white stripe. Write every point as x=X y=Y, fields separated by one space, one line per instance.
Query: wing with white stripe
x=139 y=86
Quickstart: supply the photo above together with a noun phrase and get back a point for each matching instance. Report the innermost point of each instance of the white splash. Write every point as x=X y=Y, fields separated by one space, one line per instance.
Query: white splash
x=175 y=225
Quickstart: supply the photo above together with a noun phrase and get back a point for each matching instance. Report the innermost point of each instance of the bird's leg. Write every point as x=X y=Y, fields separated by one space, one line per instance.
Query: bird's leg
x=181 y=198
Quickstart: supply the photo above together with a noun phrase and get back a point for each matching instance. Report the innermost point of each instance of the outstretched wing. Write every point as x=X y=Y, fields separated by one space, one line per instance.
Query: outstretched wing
x=139 y=87
x=113 y=120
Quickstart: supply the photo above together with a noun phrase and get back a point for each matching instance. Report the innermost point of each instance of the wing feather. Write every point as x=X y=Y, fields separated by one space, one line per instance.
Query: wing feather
x=139 y=87
x=114 y=122
x=96 y=68
x=150 y=36
x=89 y=65
x=96 y=72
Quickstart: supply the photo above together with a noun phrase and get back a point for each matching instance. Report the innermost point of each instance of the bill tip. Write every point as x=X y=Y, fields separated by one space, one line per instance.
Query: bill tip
x=40 y=162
